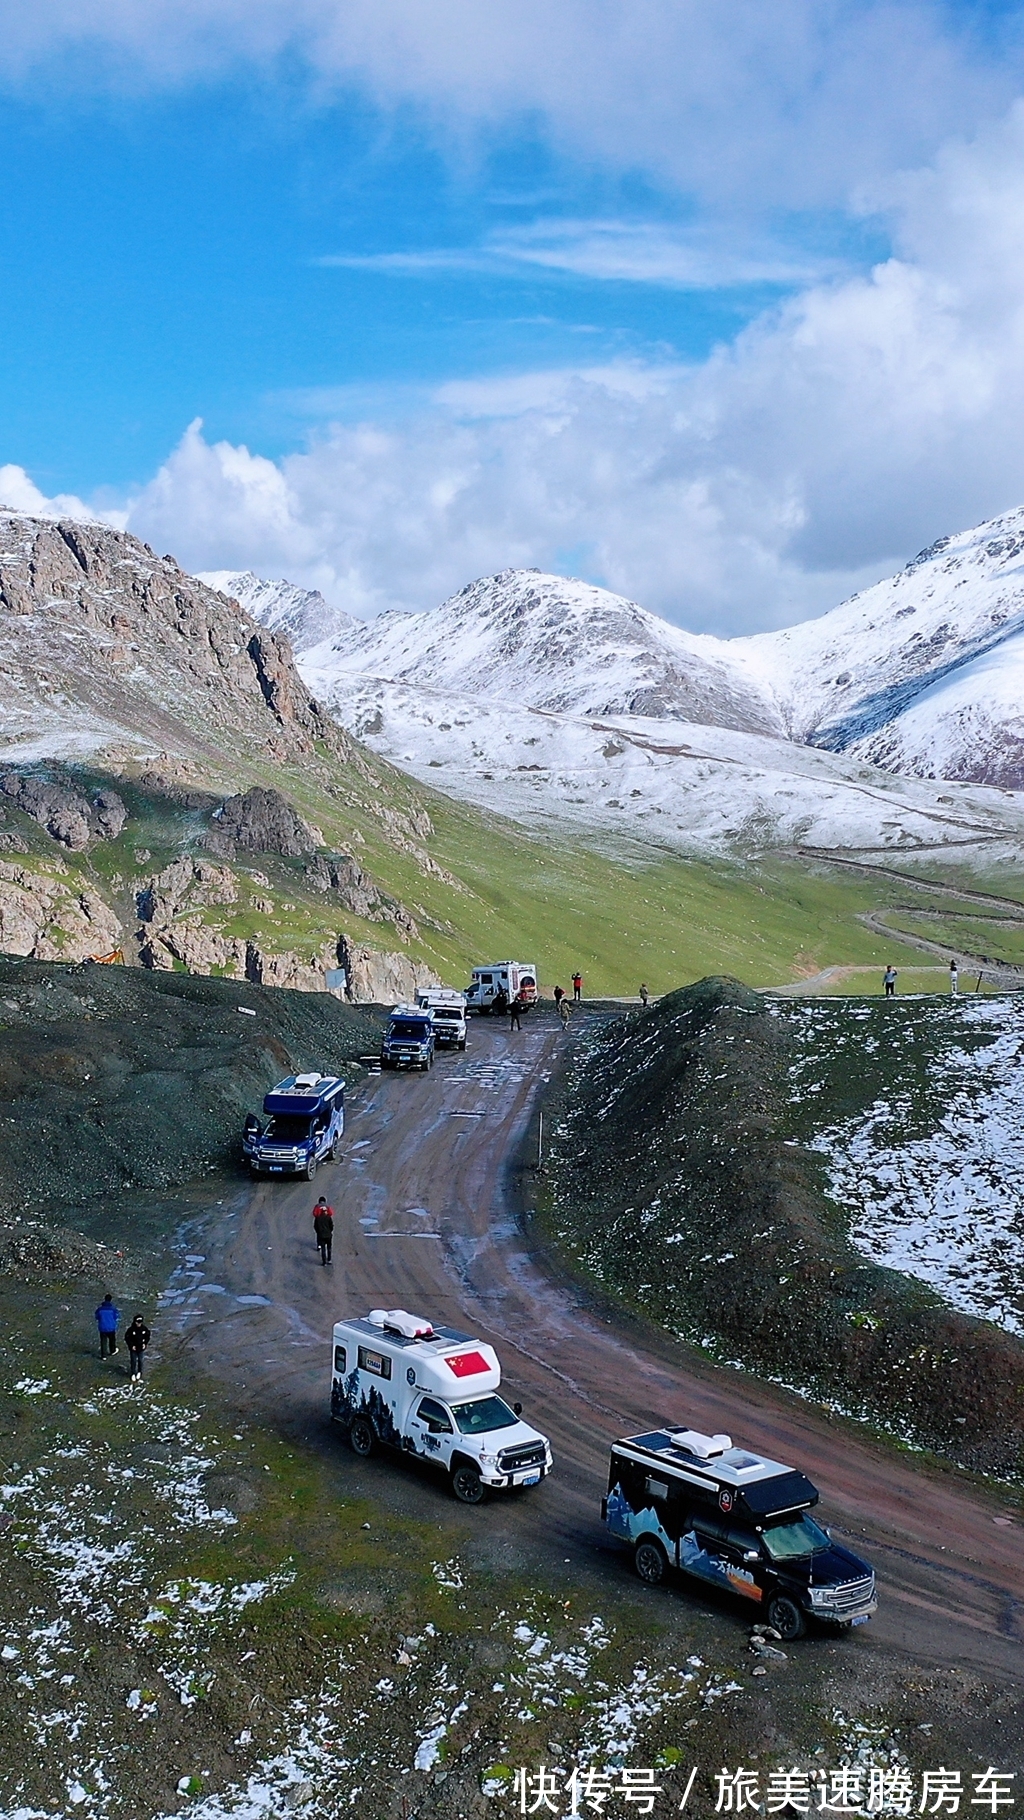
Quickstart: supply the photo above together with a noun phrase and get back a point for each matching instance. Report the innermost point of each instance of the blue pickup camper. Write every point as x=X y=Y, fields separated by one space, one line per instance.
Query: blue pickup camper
x=304 y=1121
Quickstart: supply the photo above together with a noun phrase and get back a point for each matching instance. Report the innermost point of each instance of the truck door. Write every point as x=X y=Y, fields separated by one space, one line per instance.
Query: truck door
x=432 y=1431
x=725 y=1550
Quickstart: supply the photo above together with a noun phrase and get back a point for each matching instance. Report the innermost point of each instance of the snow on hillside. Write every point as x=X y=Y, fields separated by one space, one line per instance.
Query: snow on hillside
x=849 y=678
x=544 y=642
x=674 y=784
x=302 y=614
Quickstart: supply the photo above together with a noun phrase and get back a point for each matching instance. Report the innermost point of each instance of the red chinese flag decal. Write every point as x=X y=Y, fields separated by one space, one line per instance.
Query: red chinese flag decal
x=467 y=1364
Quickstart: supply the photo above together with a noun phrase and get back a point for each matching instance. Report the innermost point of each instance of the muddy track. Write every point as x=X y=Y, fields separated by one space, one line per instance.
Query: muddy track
x=425 y=1220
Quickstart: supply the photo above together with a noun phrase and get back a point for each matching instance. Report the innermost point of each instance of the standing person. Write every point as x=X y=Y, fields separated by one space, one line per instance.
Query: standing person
x=515 y=1012
x=954 y=978
x=644 y=996
x=499 y=1003
x=323 y=1227
x=563 y=1011
x=107 y=1317
x=559 y=995
x=889 y=981
x=577 y=985
x=136 y=1338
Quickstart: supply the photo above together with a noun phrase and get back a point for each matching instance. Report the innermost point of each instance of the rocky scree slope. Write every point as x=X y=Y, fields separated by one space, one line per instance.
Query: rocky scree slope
x=719 y=1229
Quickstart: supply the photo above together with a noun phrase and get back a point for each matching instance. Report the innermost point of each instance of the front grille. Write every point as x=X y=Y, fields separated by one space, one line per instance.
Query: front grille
x=851 y=1597
x=516 y=1458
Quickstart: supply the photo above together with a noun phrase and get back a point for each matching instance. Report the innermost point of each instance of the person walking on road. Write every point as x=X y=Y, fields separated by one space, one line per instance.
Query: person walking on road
x=563 y=1011
x=323 y=1228
x=136 y=1338
x=954 y=979
x=889 y=981
x=577 y=985
x=515 y=1012
x=644 y=996
x=559 y=995
x=107 y=1317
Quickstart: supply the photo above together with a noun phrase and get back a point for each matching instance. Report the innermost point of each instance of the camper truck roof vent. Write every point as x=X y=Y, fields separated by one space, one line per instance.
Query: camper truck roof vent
x=703 y=1447
x=308 y=1080
x=396 y=1320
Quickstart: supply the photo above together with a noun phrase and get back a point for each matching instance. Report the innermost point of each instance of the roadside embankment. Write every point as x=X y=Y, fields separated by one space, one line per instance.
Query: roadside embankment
x=681 y=1179
x=116 y=1082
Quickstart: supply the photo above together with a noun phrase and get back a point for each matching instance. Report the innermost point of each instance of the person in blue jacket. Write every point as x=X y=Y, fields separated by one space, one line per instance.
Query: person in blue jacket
x=107 y=1317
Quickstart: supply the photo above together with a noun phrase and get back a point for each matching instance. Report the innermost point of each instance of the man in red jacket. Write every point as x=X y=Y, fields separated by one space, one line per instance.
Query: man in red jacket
x=323 y=1226
x=577 y=986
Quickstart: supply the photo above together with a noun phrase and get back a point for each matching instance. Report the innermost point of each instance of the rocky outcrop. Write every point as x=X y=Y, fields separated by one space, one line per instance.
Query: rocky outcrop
x=300 y=973
x=105 y=639
x=186 y=884
x=377 y=978
x=261 y=821
x=67 y=813
x=356 y=892
x=47 y=920
x=192 y=944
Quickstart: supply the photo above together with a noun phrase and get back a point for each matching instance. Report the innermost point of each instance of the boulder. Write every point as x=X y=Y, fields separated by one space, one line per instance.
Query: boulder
x=262 y=821
x=67 y=813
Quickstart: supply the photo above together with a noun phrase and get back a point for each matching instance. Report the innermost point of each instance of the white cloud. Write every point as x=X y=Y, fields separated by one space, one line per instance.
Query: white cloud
x=20 y=494
x=791 y=104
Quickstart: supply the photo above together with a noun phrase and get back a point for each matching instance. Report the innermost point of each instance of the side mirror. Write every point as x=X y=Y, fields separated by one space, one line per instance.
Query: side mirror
x=517 y=1409
x=751 y=1554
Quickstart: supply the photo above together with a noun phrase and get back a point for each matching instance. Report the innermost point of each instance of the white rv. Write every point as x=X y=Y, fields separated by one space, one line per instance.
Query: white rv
x=429 y=1391
x=516 y=979
x=449 y=1012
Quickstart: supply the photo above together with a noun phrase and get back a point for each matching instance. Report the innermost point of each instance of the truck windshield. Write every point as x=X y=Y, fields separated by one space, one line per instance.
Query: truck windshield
x=407 y=1031
x=482 y=1417
x=789 y=1541
x=287 y=1129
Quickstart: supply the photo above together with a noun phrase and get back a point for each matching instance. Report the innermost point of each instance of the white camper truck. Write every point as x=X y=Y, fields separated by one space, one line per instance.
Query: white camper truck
x=432 y=1392
x=516 y=979
x=449 y=1011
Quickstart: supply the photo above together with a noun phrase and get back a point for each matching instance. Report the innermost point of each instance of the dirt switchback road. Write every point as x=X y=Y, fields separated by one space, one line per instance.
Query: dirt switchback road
x=424 y=1221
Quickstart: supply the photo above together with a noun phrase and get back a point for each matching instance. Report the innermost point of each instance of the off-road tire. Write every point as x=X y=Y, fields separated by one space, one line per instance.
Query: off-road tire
x=467 y=1485
x=360 y=1437
x=311 y=1169
x=650 y=1561
x=785 y=1616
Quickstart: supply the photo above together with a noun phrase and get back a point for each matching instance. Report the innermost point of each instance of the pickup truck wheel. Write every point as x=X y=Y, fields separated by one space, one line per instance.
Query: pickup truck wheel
x=467 y=1485
x=650 y=1562
x=785 y=1616
x=311 y=1169
x=360 y=1437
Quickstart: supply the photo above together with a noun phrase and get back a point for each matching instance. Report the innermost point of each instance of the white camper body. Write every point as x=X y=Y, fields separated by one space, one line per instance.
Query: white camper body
x=517 y=979
x=449 y=1012
x=432 y=1392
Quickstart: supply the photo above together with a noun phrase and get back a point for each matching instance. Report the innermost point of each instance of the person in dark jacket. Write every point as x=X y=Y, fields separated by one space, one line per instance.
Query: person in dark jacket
x=644 y=996
x=559 y=995
x=323 y=1227
x=107 y=1317
x=515 y=1012
x=499 y=1003
x=136 y=1338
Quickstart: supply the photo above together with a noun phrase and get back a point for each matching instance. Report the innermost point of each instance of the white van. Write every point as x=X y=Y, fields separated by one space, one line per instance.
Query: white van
x=516 y=979
x=449 y=1009
x=430 y=1391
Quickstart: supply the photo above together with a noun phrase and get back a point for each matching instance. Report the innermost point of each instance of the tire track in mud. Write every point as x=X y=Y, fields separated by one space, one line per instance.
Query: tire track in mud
x=425 y=1220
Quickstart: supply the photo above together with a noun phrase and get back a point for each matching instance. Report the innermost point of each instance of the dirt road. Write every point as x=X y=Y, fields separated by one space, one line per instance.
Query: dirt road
x=425 y=1221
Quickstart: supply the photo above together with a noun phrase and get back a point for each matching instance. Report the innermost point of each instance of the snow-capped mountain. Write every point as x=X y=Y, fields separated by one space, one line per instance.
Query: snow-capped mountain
x=548 y=698
x=302 y=614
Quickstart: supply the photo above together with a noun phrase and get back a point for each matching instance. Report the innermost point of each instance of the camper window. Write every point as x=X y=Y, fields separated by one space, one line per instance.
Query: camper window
x=339 y=1360
x=377 y=1363
x=434 y=1416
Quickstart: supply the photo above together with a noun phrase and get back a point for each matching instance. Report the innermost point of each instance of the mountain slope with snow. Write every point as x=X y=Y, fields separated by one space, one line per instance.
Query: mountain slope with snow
x=302 y=614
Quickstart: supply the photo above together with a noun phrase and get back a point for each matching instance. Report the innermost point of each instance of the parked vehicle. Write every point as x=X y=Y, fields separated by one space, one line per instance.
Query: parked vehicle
x=305 y=1119
x=449 y=1012
x=515 y=979
x=408 y=1041
x=431 y=1392
x=736 y=1520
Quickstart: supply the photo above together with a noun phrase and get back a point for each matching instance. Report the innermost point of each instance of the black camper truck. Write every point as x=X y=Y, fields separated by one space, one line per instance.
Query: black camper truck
x=736 y=1521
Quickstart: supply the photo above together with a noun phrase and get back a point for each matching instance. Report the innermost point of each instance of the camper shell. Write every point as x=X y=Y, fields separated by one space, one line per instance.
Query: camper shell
x=517 y=979
x=408 y=1041
x=304 y=1121
x=735 y=1520
x=448 y=1008
x=432 y=1392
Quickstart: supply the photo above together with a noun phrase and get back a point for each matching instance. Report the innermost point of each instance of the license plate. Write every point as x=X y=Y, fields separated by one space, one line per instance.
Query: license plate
x=530 y=1478
x=862 y=1619
x=276 y=1168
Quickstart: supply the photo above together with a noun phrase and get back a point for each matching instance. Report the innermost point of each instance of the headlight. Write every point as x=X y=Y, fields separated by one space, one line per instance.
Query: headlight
x=822 y=1595
x=488 y=1459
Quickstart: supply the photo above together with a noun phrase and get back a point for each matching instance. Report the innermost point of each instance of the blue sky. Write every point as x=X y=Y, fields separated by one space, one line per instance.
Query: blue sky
x=605 y=288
